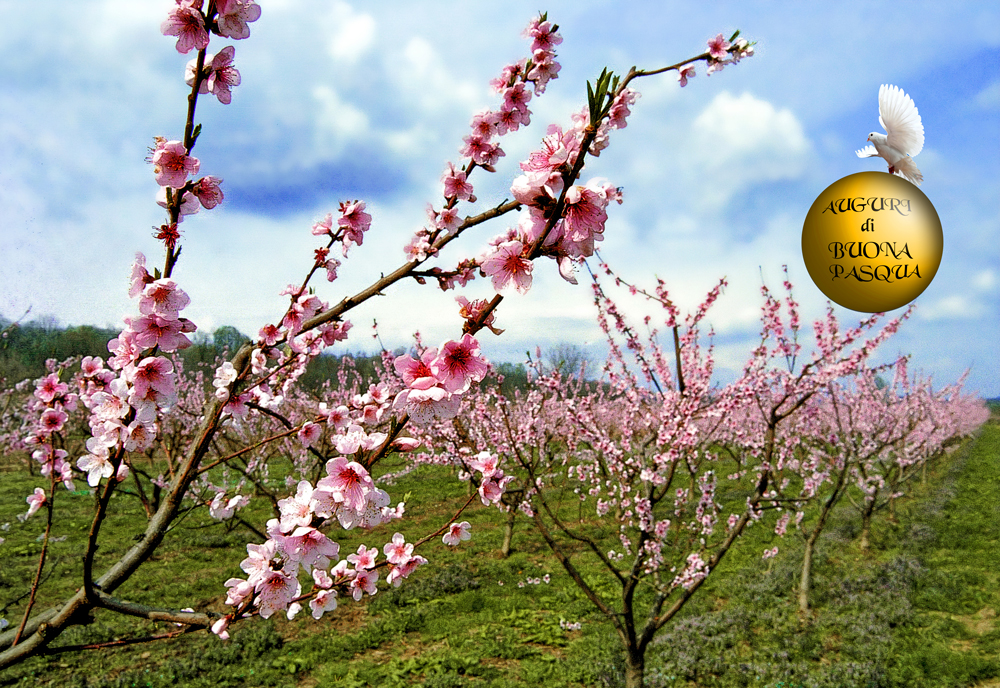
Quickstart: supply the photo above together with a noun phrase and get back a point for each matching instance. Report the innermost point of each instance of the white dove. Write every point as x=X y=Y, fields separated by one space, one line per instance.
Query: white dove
x=904 y=133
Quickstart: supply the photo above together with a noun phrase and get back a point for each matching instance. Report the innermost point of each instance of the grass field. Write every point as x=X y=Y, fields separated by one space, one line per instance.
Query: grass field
x=918 y=609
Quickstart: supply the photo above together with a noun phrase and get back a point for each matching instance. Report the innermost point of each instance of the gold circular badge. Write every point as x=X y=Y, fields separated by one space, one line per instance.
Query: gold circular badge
x=872 y=242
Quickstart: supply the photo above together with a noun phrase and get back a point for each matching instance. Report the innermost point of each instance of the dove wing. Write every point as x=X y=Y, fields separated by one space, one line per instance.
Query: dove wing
x=899 y=117
x=867 y=152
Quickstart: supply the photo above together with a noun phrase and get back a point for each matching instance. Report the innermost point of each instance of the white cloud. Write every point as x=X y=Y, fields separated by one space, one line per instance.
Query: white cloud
x=741 y=141
x=989 y=97
x=353 y=34
x=985 y=280
x=954 y=307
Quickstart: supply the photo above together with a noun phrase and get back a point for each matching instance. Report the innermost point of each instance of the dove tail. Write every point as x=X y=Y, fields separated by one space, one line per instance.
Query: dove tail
x=905 y=167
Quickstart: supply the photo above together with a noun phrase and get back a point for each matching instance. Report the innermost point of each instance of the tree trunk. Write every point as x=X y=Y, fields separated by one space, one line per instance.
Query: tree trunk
x=866 y=521
x=508 y=532
x=807 y=572
x=635 y=669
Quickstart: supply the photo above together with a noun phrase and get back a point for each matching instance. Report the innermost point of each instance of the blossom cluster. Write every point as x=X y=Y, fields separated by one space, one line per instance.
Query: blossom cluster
x=721 y=53
x=436 y=380
x=124 y=400
x=515 y=85
x=295 y=543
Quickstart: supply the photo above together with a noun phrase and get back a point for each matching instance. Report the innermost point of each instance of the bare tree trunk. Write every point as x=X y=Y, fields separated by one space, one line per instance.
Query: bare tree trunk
x=804 y=580
x=866 y=521
x=635 y=669
x=508 y=532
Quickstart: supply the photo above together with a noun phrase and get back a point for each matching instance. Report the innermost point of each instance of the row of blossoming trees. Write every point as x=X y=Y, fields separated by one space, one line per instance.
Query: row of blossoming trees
x=646 y=451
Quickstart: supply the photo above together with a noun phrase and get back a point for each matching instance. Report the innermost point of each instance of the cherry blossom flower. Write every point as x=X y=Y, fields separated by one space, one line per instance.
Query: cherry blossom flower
x=507 y=265
x=35 y=502
x=685 y=73
x=221 y=75
x=91 y=366
x=164 y=298
x=457 y=532
x=187 y=23
x=324 y=601
x=172 y=164
x=398 y=573
x=364 y=559
x=355 y=221
x=234 y=15
x=717 y=47
x=52 y=420
x=398 y=551
x=347 y=480
x=459 y=364
x=309 y=433
x=223 y=509
x=363 y=582
x=49 y=387
x=96 y=464
x=275 y=591
x=455 y=184
x=219 y=628
x=208 y=192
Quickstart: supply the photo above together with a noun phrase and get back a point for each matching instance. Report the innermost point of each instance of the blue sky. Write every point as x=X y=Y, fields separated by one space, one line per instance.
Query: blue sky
x=369 y=100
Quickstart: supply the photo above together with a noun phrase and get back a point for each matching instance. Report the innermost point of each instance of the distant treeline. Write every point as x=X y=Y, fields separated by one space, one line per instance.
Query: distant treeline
x=25 y=348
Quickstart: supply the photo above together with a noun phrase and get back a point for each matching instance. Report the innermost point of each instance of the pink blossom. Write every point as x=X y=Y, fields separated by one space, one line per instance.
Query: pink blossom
x=324 y=601
x=222 y=75
x=685 y=73
x=455 y=184
x=208 y=192
x=239 y=591
x=417 y=374
x=222 y=509
x=297 y=510
x=486 y=463
x=91 y=365
x=364 y=559
x=405 y=569
x=507 y=265
x=481 y=150
x=156 y=330
x=35 y=501
x=490 y=492
x=172 y=164
x=354 y=220
x=49 y=388
x=398 y=551
x=349 y=480
x=219 y=628
x=424 y=405
x=459 y=364
x=310 y=547
x=717 y=47
x=96 y=464
x=164 y=298
x=152 y=380
x=363 y=582
x=52 y=420
x=309 y=433
x=139 y=436
x=339 y=417
x=457 y=532
x=188 y=24
x=275 y=591
x=234 y=15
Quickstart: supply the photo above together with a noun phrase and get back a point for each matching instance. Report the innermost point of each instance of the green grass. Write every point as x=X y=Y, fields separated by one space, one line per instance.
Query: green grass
x=918 y=609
